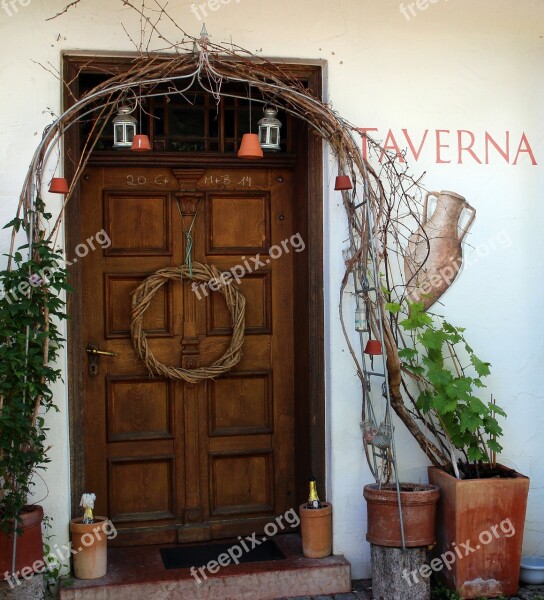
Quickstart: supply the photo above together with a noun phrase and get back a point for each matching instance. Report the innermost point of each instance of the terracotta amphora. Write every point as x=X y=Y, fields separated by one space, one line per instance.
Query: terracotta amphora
x=434 y=255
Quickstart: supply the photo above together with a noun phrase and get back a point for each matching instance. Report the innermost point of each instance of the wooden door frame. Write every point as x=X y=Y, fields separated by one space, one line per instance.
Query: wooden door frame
x=308 y=211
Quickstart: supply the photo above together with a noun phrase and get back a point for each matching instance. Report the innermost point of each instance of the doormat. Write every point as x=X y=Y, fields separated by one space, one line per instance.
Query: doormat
x=183 y=557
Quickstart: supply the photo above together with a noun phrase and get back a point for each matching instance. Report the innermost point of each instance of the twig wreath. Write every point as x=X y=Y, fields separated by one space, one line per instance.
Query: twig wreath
x=236 y=303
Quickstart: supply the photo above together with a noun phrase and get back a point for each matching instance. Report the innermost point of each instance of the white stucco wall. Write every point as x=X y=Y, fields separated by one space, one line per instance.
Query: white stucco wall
x=449 y=65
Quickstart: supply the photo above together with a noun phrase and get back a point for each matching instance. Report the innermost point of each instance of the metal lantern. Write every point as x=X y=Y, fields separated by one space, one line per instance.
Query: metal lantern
x=124 y=127
x=269 y=130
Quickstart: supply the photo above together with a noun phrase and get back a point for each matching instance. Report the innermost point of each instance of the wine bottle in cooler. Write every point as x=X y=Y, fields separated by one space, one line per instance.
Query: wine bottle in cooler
x=313 y=498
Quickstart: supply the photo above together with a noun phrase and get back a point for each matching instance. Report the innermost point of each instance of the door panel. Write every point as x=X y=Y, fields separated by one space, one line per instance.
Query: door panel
x=171 y=461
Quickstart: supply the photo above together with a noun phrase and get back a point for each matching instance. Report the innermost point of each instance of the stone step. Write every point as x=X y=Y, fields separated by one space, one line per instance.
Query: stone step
x=138 y=574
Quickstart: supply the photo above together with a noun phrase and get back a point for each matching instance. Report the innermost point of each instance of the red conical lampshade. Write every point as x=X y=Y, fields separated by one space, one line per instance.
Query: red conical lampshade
x=343 y=182
x=59 y=185
x=250 y=146
x=140 y=143
x=373 y=347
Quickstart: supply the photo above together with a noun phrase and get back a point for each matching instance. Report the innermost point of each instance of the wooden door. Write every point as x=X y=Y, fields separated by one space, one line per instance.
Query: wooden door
x=170 y=461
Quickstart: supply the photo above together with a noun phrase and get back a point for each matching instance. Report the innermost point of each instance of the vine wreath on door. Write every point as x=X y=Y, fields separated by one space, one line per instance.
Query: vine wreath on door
x=236 y=303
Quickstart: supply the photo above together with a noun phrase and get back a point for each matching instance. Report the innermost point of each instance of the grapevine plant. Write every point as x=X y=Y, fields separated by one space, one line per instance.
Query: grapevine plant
x=446 y=389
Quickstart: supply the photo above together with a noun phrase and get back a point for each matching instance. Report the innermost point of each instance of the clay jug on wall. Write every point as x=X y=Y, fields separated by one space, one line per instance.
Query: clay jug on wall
x=434 y=255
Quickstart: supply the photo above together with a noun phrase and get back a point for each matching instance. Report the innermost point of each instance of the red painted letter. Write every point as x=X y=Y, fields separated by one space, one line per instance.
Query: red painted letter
x=391 y=144
x=504 y=153
x=527 y=149
x=415 y=152
x=439 y=145
x=468 y=149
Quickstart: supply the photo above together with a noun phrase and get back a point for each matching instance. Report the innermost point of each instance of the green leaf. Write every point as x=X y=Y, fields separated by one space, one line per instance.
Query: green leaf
x=492 y=427
x=469 y=421
x=474 y=454
x=424 y=401
x=416 y=369
x=443 y=405
x=458 y=388
x=431 y=339
x=482 y=368
x=436 y=374
x=478 y=407
x=392 y=307
x=494 y=446
x=408 y=353
x=497 y=409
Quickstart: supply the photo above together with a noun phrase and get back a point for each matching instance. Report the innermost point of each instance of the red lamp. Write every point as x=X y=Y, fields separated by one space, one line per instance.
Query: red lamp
x=59 y=185
x=373 y=347
x=141 y=143
x=343 y=182
x=250 y=147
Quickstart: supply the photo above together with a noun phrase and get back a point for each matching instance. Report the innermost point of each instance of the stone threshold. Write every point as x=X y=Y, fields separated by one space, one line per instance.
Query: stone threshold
x=137 y=573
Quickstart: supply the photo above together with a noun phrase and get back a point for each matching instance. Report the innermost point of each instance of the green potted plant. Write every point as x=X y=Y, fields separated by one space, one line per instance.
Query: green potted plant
x=30 y=339
x=436 y=377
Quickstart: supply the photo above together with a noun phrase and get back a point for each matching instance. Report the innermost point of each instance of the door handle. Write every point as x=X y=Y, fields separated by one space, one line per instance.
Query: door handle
x=93 y=353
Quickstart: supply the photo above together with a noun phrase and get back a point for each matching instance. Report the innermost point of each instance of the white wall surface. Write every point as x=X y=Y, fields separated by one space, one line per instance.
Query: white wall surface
x=451 y=65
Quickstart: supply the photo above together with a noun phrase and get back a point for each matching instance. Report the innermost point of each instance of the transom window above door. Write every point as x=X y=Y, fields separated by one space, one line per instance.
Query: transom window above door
x=193 y=121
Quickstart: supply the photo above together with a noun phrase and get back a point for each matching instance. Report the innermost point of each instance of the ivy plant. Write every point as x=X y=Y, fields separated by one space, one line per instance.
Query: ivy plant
x=448 y=391
x=31 y=313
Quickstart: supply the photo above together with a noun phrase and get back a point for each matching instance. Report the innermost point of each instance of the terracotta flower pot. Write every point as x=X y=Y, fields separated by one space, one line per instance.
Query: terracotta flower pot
x=59 y=185
x=316 y=530
x=141 y=143
x=489 y=514
x=342 y=182
x=250 y=147
x=91 y=545
x=373 y=347
x=418 y=513
x=29 y=542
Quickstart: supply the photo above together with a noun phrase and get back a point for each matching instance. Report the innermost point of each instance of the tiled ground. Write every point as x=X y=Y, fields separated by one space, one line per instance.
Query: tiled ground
x=530 y=592
x=352 y=596
x=360 y=591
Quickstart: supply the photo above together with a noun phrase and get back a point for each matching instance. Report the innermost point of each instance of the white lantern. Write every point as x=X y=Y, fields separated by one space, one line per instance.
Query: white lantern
x=124 y=127
x=269 y=130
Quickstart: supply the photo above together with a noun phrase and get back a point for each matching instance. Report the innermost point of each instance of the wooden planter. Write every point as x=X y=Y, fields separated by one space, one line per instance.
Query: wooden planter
x=488 y=516
x=418 y=513
x=29 y=542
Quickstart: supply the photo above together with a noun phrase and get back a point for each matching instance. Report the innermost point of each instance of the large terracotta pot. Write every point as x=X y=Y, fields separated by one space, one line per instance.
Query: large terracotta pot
x=480 y=523
x=316 y=530
x=29 y=542
x=418 y=512
x=434 y=255
x=90 y=543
